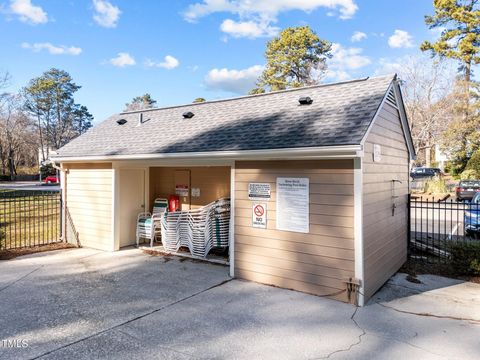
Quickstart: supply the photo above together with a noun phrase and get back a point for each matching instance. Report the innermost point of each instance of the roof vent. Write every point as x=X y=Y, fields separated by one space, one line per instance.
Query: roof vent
x=121 y=121
x=305 y=100
x=188 y=115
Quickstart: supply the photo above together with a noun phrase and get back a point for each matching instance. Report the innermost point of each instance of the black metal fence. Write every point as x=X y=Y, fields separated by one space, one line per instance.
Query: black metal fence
x=29 y=218
x=438 y=227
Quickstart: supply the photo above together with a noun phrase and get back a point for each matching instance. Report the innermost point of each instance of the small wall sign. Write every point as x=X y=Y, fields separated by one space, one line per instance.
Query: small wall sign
x=181 y=190
x=259 y=216
x=195 y=192
x=259 y=191
x=377 y=153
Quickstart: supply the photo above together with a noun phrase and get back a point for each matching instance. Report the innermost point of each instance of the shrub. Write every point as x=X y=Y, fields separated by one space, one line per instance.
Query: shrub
x=474 y=162
x=47 y=170
x=470 y=174
x=465 y=258
x=435 y=186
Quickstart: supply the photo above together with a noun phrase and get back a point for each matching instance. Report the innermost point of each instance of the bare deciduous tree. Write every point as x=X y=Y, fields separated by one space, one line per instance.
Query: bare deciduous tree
x=427 y=84
x=18 y=142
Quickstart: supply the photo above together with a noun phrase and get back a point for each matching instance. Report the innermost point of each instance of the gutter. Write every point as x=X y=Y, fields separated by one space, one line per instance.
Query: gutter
x=345 y=151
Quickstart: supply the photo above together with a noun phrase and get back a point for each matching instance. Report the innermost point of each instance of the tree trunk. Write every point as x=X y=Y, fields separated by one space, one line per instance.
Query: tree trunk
x=11 y=165
x=428 y=156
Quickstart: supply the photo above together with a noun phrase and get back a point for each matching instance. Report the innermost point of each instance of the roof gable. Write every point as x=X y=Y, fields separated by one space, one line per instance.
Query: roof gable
x=340 y=114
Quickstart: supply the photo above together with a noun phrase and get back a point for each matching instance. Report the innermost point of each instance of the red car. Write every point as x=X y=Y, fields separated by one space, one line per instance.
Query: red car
x=51 y=180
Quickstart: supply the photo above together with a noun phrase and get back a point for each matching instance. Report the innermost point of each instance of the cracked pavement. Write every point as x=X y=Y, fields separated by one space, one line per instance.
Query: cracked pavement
x=86 y=304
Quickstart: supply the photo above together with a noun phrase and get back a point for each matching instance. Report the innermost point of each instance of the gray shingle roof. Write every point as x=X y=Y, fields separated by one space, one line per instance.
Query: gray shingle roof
x=340 y=115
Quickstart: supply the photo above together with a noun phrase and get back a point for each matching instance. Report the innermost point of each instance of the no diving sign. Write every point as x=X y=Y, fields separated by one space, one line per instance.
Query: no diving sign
x=259 y=216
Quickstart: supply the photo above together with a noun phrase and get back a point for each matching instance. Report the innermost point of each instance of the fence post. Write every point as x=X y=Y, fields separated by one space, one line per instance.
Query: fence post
x=409 y=225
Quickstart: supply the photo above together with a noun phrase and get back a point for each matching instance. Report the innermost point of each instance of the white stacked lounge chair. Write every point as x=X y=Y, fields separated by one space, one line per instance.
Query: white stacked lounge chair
x=199 y=230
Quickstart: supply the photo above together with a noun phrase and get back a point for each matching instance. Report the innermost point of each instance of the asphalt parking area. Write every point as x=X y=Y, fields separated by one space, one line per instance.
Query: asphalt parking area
x=85 y=304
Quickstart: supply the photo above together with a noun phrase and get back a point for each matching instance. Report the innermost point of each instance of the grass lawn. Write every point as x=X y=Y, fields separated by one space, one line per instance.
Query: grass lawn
x=29 y=218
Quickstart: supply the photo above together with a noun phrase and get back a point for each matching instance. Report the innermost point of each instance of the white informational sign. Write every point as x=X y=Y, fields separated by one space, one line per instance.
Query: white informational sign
x=195 y=192
x=377 y=153
x=259 y=216
x=293 y=204
x=181 y=190
x=259 y=191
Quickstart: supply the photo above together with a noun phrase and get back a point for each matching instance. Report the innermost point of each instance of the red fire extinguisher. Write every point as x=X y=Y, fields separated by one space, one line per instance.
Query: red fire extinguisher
x=173 y=203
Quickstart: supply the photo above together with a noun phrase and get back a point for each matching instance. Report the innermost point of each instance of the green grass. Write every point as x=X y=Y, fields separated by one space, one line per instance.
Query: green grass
x=28 y=218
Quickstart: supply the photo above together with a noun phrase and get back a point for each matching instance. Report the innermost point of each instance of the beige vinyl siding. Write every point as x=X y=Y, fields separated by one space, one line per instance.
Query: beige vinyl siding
x=213 y=182
x=384 y=235
x=318 y=262
x=89 y=194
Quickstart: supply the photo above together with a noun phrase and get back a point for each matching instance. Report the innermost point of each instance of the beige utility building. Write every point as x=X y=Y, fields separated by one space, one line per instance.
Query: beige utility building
x=318 y=179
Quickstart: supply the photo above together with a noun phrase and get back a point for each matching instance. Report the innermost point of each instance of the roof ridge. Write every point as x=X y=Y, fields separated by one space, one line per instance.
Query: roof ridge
x=256 y=95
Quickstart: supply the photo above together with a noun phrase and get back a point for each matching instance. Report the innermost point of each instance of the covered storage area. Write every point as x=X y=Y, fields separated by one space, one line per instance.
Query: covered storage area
x=176 y=209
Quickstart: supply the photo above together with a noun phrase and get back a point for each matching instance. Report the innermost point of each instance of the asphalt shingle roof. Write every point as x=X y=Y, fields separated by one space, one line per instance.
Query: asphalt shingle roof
x=339 y=115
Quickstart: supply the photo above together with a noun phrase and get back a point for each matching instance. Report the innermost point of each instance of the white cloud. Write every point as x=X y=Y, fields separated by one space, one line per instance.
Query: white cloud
x=52 y=49
x=268 y=8
x=169 y=63
x=249 y=29
x=358 y=36
x=344 y=60
x=256 y=17
x=235 y=81
x=27 y=12
x=106 y=14
x=400 y=39
x=122 y=59
x=389 y=66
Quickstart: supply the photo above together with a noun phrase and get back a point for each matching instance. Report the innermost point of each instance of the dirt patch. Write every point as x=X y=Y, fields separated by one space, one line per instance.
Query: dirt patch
x=12 y=254
x=414 y=268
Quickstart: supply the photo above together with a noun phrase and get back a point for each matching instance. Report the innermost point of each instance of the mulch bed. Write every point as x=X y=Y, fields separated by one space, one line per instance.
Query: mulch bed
x=413 y=269
x=12 y=254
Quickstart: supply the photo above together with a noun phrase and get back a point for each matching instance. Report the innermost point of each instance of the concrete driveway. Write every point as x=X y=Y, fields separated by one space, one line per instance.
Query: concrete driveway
x=86 y=304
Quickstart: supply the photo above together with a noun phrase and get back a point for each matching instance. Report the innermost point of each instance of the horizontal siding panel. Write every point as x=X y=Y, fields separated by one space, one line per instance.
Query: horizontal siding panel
x=326 y=271
x=292 y=284
x=341 y=249
x=345 y=263
x=242 y=189
x=325 y=178
x=314 y=218
x=90 y=189
x=314 y=239
x=328 y=230
x=287 y=166
x=334 y=210
x=291 y=274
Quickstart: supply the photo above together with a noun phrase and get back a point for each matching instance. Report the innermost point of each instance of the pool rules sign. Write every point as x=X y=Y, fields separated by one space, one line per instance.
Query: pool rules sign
x=293 y=204
x=259 y=216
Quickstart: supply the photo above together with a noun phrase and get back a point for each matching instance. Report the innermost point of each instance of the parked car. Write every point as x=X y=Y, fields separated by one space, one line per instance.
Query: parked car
x=51 y=180
x=467 y=189
x=424 y=172
x=472 y=217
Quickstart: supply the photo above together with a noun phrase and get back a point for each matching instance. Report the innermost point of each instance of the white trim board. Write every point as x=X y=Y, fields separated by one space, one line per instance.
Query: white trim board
x=333 y=152
x=358 y=227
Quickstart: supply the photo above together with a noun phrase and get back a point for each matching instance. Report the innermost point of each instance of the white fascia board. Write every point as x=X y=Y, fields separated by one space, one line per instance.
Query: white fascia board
x=333 y=152
x=404 y=121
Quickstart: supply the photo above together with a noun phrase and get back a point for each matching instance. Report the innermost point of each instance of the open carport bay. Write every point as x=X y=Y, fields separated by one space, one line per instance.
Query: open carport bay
x=87 y=304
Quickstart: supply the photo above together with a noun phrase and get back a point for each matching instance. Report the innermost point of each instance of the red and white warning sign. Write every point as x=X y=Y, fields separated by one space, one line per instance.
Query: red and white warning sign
x=259 y=216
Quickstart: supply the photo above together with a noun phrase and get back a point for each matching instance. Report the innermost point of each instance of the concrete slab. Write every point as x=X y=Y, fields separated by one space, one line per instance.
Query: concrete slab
x=87 y=304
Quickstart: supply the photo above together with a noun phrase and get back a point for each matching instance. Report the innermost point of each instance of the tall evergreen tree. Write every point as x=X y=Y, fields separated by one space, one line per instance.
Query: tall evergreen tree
x=460 y=39
x=297 y=57
x=49 y=98
x=140 y=103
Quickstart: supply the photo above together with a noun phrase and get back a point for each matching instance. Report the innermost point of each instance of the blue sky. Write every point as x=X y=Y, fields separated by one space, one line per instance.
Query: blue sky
x=180 y=50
